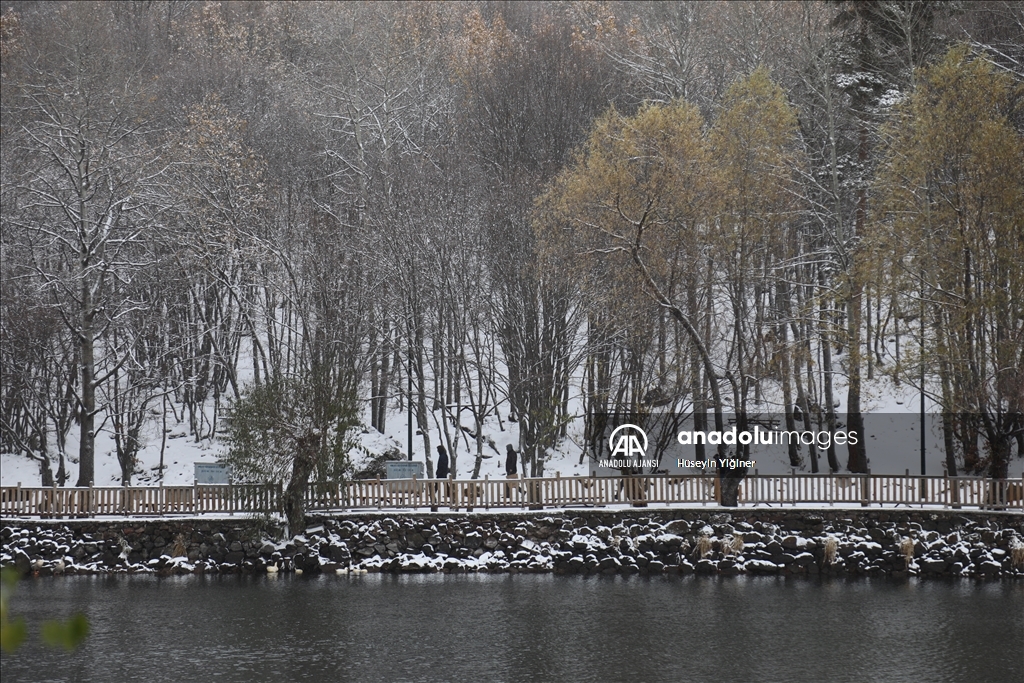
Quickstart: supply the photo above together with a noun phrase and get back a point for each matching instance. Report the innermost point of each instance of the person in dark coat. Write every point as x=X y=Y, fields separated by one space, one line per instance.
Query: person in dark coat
x=511 y=458
x=511 y=468
x=442 y=462
x=442 y=470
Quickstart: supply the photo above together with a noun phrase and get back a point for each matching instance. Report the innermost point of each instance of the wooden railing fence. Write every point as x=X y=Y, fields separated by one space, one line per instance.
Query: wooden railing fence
x=550 y=492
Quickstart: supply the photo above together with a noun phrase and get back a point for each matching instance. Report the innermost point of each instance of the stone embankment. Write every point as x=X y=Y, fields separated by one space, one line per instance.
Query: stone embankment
x=765 y=541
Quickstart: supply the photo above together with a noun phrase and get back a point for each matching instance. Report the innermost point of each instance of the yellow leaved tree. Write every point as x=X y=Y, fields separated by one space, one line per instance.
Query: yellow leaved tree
x=636 y=204
x=754 y=146
x=949 y=225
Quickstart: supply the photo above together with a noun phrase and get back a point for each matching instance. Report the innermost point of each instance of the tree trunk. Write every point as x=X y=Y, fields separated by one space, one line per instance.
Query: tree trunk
x=421 y=404
x=295 y=494
x=947 y=419
x=857 y=460
x=999 y=445
x=782 y=305
x=826 y=363
x=87 y=444
x=696 y=380
x=947 y=443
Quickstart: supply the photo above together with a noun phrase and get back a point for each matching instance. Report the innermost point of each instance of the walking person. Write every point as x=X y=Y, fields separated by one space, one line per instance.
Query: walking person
x=442 y=469
x=442 y=462
x=511 y=467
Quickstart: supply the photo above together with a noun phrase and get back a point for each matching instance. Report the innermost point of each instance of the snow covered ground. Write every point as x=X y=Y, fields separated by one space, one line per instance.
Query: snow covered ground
x=893 y=447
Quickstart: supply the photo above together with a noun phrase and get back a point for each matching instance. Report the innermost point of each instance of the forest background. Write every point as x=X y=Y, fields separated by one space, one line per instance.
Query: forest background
x=284 y=223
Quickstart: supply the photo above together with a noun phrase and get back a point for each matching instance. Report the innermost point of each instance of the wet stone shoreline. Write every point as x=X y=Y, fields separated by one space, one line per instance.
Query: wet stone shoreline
x=897 y=543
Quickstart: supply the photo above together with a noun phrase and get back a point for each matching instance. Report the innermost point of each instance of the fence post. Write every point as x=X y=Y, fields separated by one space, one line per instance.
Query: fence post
x=535 y=493
x=866 y=491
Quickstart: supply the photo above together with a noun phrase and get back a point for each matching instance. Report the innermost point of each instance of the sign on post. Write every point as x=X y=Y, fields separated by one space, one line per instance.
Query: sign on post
x=212 y=473
x=404 y=469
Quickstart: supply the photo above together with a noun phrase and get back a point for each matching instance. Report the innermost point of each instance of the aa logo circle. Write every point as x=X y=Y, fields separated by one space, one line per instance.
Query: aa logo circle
x=628 y=441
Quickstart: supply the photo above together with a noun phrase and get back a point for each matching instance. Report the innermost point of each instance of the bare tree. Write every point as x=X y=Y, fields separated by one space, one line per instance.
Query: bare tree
x=91 y=187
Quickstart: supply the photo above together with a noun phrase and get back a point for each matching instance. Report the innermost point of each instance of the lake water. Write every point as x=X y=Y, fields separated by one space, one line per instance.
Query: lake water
x=525 y=628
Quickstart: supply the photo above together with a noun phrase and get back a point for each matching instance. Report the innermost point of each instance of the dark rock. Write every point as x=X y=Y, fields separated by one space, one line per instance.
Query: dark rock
x=706 y=567
x=804 y=559
x=22 y=562
x=990 y=568
x=679 y=527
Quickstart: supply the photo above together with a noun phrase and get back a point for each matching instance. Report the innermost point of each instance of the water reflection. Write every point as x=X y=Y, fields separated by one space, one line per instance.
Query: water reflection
x=526 y=627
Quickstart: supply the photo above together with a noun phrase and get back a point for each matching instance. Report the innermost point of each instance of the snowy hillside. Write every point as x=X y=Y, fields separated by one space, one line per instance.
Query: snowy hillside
x=180 y=451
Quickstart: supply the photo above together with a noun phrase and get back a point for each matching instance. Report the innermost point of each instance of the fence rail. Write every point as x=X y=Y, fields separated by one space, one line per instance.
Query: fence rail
x=551 y=492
